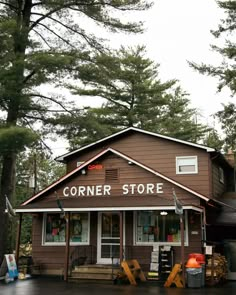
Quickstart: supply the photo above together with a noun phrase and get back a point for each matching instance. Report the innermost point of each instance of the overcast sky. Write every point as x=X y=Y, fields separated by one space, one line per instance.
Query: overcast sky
x=178 y=31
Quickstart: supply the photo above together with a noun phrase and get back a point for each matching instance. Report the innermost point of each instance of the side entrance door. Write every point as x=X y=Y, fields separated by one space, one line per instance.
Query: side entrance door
x=108 y=248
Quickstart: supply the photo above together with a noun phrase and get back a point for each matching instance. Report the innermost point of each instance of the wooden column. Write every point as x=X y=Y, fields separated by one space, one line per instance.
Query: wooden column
x=18 y=234
x=67 y=249
x=182 y=248
x=121 y=237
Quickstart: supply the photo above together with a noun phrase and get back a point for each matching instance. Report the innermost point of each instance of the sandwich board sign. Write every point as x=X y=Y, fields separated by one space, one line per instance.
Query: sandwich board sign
x=9 y=266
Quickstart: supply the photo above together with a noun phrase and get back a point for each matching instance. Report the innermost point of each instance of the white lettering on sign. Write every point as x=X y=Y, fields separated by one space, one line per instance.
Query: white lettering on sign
x=140 y=189
x=81 y=191
x=105 y=190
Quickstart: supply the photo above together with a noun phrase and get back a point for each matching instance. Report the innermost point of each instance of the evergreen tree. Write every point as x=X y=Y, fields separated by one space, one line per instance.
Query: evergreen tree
x=226 y=71
x=213 y=140
x=227 y=119
x=43 y=42
x=134 y=96
x=178 y=119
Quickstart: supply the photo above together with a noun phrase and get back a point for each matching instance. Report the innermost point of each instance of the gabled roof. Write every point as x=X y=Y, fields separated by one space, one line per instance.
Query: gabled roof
x=63 y=157
x=129 y=159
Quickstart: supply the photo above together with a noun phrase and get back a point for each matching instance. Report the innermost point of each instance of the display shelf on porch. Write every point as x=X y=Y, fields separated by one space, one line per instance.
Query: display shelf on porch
x=94 y=272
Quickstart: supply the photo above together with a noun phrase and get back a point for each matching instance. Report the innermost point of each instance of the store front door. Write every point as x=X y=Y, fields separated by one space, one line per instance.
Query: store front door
x=108 y=237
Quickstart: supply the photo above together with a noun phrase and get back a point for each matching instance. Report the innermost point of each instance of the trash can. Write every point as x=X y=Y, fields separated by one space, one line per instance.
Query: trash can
x=203 y=274
x=200 y=258
x=194 y=277
x=193 y=273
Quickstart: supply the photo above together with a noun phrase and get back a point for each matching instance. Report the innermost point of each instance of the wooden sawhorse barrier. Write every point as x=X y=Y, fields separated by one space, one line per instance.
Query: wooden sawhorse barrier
x=133 y=271
x=175 y=277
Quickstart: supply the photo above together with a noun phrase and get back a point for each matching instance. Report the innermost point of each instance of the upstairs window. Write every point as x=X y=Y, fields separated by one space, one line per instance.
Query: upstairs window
x=186 y=165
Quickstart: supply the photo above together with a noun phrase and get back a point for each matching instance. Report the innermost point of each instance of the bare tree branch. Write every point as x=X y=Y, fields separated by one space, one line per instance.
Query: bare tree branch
x=90 y=40
x=53 y=100
x=26 y=79
x=9 y=5
x=44 y=40
x=40 y=139
x=58 y=36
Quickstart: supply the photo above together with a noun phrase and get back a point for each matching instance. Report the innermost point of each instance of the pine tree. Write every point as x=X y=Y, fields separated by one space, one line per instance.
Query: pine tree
x=44 y=42
x=226 y=71
x=134 y=96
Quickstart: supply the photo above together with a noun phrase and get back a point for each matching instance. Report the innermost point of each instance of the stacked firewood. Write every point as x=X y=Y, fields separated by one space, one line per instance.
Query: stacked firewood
x=216 y=269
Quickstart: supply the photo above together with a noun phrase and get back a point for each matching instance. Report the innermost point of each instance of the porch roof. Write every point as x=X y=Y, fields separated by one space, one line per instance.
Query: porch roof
x=105 y=204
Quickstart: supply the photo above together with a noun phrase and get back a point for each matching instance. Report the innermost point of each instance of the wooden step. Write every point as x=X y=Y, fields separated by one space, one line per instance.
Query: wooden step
x=95 y=269
x=96 y=272
x=92 y=276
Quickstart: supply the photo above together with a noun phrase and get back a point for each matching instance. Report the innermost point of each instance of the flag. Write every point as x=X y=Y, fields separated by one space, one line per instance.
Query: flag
x=178 y=205
x=60 y=205
x=9 y=209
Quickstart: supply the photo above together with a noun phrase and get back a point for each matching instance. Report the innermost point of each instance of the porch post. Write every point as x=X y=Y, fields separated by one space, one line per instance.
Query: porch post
x=18 y=234
x=121 y=237
x=182 y=248
x=67 y=250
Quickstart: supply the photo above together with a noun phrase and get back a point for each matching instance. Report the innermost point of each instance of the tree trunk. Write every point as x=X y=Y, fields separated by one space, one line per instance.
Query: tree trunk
x=8 y=172
x=6 y=190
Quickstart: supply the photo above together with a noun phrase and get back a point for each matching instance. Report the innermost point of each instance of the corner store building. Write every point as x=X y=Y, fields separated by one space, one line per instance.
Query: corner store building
x=115 y=193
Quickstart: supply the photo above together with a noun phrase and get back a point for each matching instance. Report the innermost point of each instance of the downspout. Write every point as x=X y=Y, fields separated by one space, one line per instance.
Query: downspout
x=203 y=225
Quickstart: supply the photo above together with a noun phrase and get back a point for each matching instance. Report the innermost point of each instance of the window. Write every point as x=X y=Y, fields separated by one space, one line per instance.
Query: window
x=55 y=228
x=186 y=165
x=153 y=227
x=221 y=175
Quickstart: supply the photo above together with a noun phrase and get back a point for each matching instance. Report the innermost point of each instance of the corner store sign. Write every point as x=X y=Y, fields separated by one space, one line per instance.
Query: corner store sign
x=106 y=190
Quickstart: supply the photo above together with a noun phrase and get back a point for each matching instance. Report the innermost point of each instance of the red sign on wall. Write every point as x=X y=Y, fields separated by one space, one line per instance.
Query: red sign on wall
x=95 y=167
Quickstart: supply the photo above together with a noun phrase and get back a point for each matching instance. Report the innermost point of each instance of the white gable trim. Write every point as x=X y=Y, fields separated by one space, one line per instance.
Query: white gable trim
x=124 y=157
x=208 y=149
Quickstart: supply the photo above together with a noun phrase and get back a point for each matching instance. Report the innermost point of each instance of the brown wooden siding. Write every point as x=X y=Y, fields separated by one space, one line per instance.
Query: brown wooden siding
x=128 y=174
x=51 y=258
x=159 y=154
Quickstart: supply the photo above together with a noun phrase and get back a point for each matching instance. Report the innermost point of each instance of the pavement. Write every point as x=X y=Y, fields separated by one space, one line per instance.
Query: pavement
x=56 y=286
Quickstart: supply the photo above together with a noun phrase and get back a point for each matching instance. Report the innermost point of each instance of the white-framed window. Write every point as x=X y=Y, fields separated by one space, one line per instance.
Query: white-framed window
x=221 y=175
x=54 y=228
x=154 y=227
x=187 y=165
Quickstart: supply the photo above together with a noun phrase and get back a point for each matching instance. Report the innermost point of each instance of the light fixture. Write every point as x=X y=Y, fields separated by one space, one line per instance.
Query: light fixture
x=83 y=171
x=163 y=213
